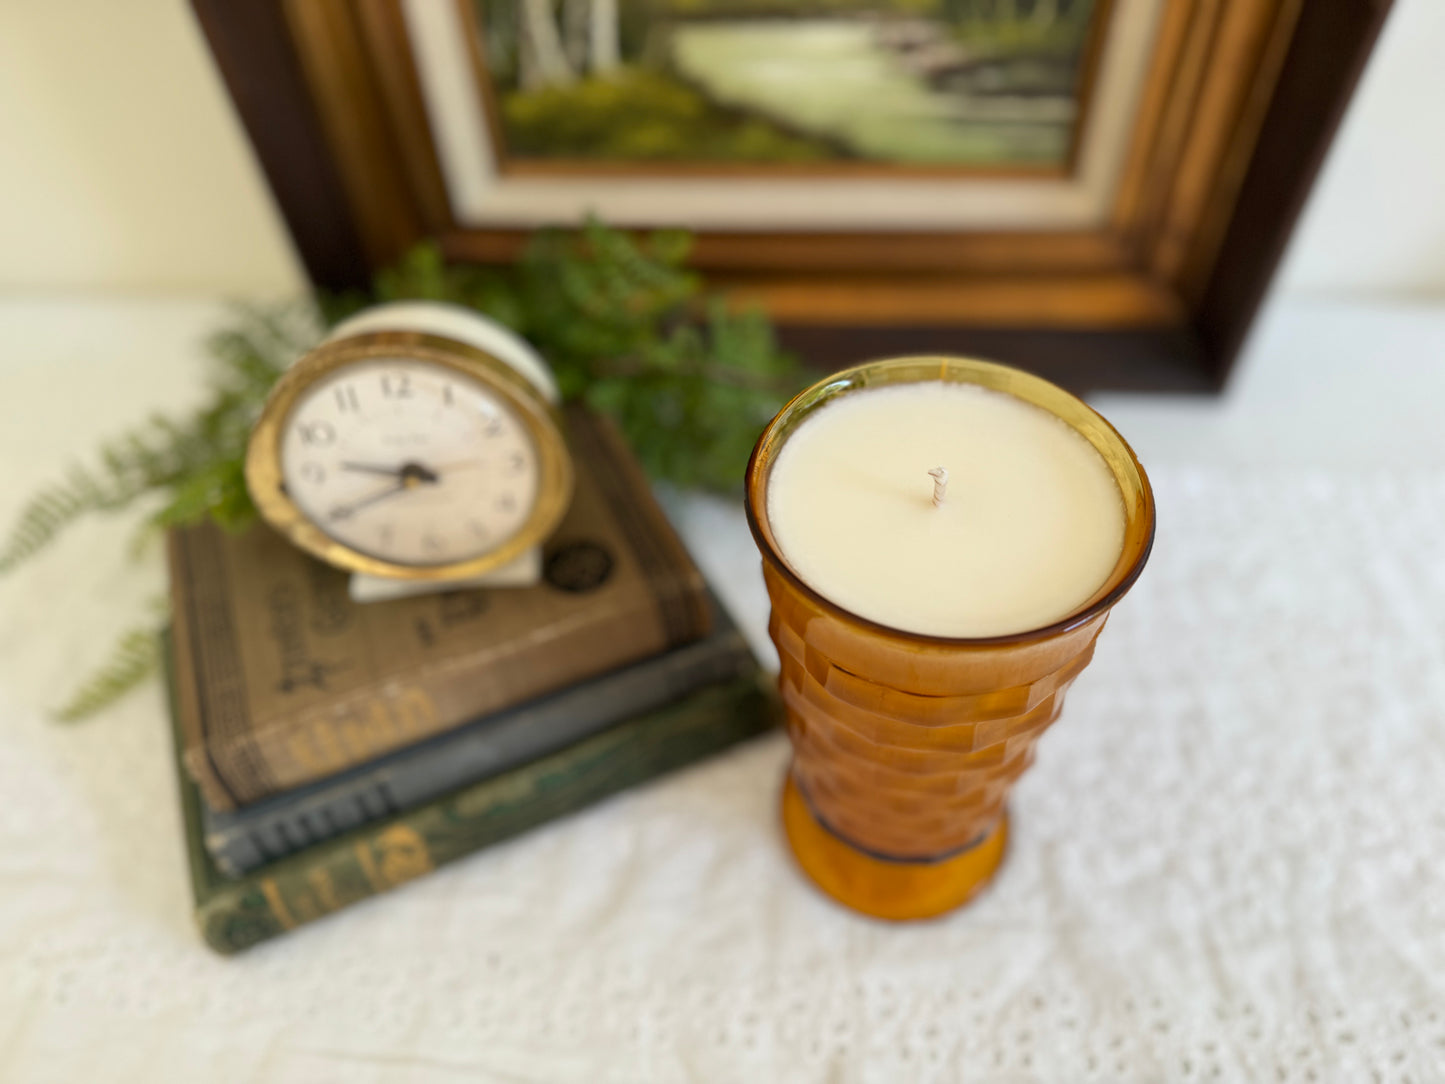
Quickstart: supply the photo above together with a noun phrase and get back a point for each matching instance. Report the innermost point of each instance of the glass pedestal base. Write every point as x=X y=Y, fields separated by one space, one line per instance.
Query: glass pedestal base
x=885 y=888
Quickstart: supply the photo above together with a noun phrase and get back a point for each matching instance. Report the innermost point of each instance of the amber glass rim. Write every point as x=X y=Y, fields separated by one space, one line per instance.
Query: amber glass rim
x=1005 y=378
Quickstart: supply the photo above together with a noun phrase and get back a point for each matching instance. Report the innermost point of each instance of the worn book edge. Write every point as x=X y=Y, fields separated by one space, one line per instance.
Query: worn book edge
x=241 y=840
x=234 y=915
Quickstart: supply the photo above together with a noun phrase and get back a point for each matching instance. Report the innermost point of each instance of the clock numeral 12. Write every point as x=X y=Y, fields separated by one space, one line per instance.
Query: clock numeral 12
x=396 y=385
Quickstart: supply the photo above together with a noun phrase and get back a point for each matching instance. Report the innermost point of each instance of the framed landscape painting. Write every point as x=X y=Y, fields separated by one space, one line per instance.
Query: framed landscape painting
x=956 y=86
x=738 y=115
x=1098 y=190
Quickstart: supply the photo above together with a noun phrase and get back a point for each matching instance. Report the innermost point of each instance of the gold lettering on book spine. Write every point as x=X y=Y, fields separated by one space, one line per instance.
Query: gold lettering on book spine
x=316 y=747
x=363 y=732
x=304 y=905
x=393 y=857
x=325 y=891
x=283 y=914
x=325 y=745
x=415 y=713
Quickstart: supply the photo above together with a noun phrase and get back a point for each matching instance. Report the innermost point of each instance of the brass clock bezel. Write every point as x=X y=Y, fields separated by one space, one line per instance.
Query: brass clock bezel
x=542 y=421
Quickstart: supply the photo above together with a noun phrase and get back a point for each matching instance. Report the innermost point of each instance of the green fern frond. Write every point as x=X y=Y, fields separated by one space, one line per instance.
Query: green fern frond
x=422 y=274
x=196 y=461
x=216 y=490
x=640 y=278
x=136 y=657
x=622 y=321
x=45 y=515
x=670 y=247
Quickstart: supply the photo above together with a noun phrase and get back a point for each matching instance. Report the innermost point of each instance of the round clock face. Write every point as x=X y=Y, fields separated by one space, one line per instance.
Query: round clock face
x=409 y=462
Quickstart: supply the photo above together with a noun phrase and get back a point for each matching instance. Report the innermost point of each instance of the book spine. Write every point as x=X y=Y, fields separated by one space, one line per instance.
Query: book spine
x=372 y=860
x=377 y=721
x=190 y=566
x=270 y=830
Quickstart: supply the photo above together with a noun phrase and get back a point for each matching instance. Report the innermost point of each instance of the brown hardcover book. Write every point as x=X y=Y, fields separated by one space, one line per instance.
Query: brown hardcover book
x=283 y=680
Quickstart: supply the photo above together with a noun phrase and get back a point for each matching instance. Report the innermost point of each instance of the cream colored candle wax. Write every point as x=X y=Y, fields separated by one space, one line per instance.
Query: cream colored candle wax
x=1020 y=527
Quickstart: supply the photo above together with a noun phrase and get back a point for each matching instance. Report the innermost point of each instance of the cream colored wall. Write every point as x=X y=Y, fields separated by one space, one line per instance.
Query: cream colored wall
x=122 y=166
x=1375 y=223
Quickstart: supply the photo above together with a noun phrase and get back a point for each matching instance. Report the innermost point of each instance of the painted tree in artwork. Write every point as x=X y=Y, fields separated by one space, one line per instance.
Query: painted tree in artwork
x=556 y=45
x=1045 y=12
x=575 y=21
x=1041 y=13
x=541 y=60
x=603 y=37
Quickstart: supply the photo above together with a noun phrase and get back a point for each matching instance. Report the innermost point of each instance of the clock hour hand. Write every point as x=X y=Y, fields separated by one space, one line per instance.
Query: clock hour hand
x=408 y=473
x=371 y=468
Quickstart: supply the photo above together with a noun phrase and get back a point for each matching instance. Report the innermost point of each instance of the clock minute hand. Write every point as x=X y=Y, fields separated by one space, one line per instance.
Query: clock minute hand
x=346 y=511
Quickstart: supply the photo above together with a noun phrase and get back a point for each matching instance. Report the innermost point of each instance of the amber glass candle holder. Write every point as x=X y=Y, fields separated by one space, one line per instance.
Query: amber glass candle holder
x=905 y=746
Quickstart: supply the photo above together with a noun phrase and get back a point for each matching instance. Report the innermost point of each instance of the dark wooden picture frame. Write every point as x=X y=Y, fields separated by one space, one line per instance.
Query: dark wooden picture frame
x=1237 y=111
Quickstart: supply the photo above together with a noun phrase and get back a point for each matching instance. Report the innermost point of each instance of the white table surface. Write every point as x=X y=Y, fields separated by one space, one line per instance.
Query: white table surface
x=1228 y=861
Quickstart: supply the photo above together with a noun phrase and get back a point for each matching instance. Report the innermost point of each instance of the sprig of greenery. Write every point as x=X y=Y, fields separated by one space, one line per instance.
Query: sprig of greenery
x=135 y=657
x=629 y=329
x=626 y=327
x=194 y=462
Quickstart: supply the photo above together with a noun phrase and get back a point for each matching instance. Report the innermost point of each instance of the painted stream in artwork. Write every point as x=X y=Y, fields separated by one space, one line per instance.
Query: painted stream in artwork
x=871 y=88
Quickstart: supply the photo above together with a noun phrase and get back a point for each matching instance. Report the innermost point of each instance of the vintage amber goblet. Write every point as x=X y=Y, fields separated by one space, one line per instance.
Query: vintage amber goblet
x=905 y=746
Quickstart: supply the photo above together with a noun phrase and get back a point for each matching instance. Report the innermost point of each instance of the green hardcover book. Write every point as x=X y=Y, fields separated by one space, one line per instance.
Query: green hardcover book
x=236 y=914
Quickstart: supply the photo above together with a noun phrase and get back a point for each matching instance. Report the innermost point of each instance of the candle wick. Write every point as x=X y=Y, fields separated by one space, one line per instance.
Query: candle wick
x=940 y=485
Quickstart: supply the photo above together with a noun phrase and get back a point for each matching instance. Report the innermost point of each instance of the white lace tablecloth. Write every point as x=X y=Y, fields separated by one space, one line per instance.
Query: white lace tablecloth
x=1227 y=864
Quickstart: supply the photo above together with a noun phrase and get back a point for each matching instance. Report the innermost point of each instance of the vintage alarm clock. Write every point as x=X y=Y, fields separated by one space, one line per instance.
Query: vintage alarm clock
x=419 y=447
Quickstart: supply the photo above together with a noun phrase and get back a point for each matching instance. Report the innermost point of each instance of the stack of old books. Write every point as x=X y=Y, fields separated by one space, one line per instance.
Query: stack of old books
x=329 y=751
